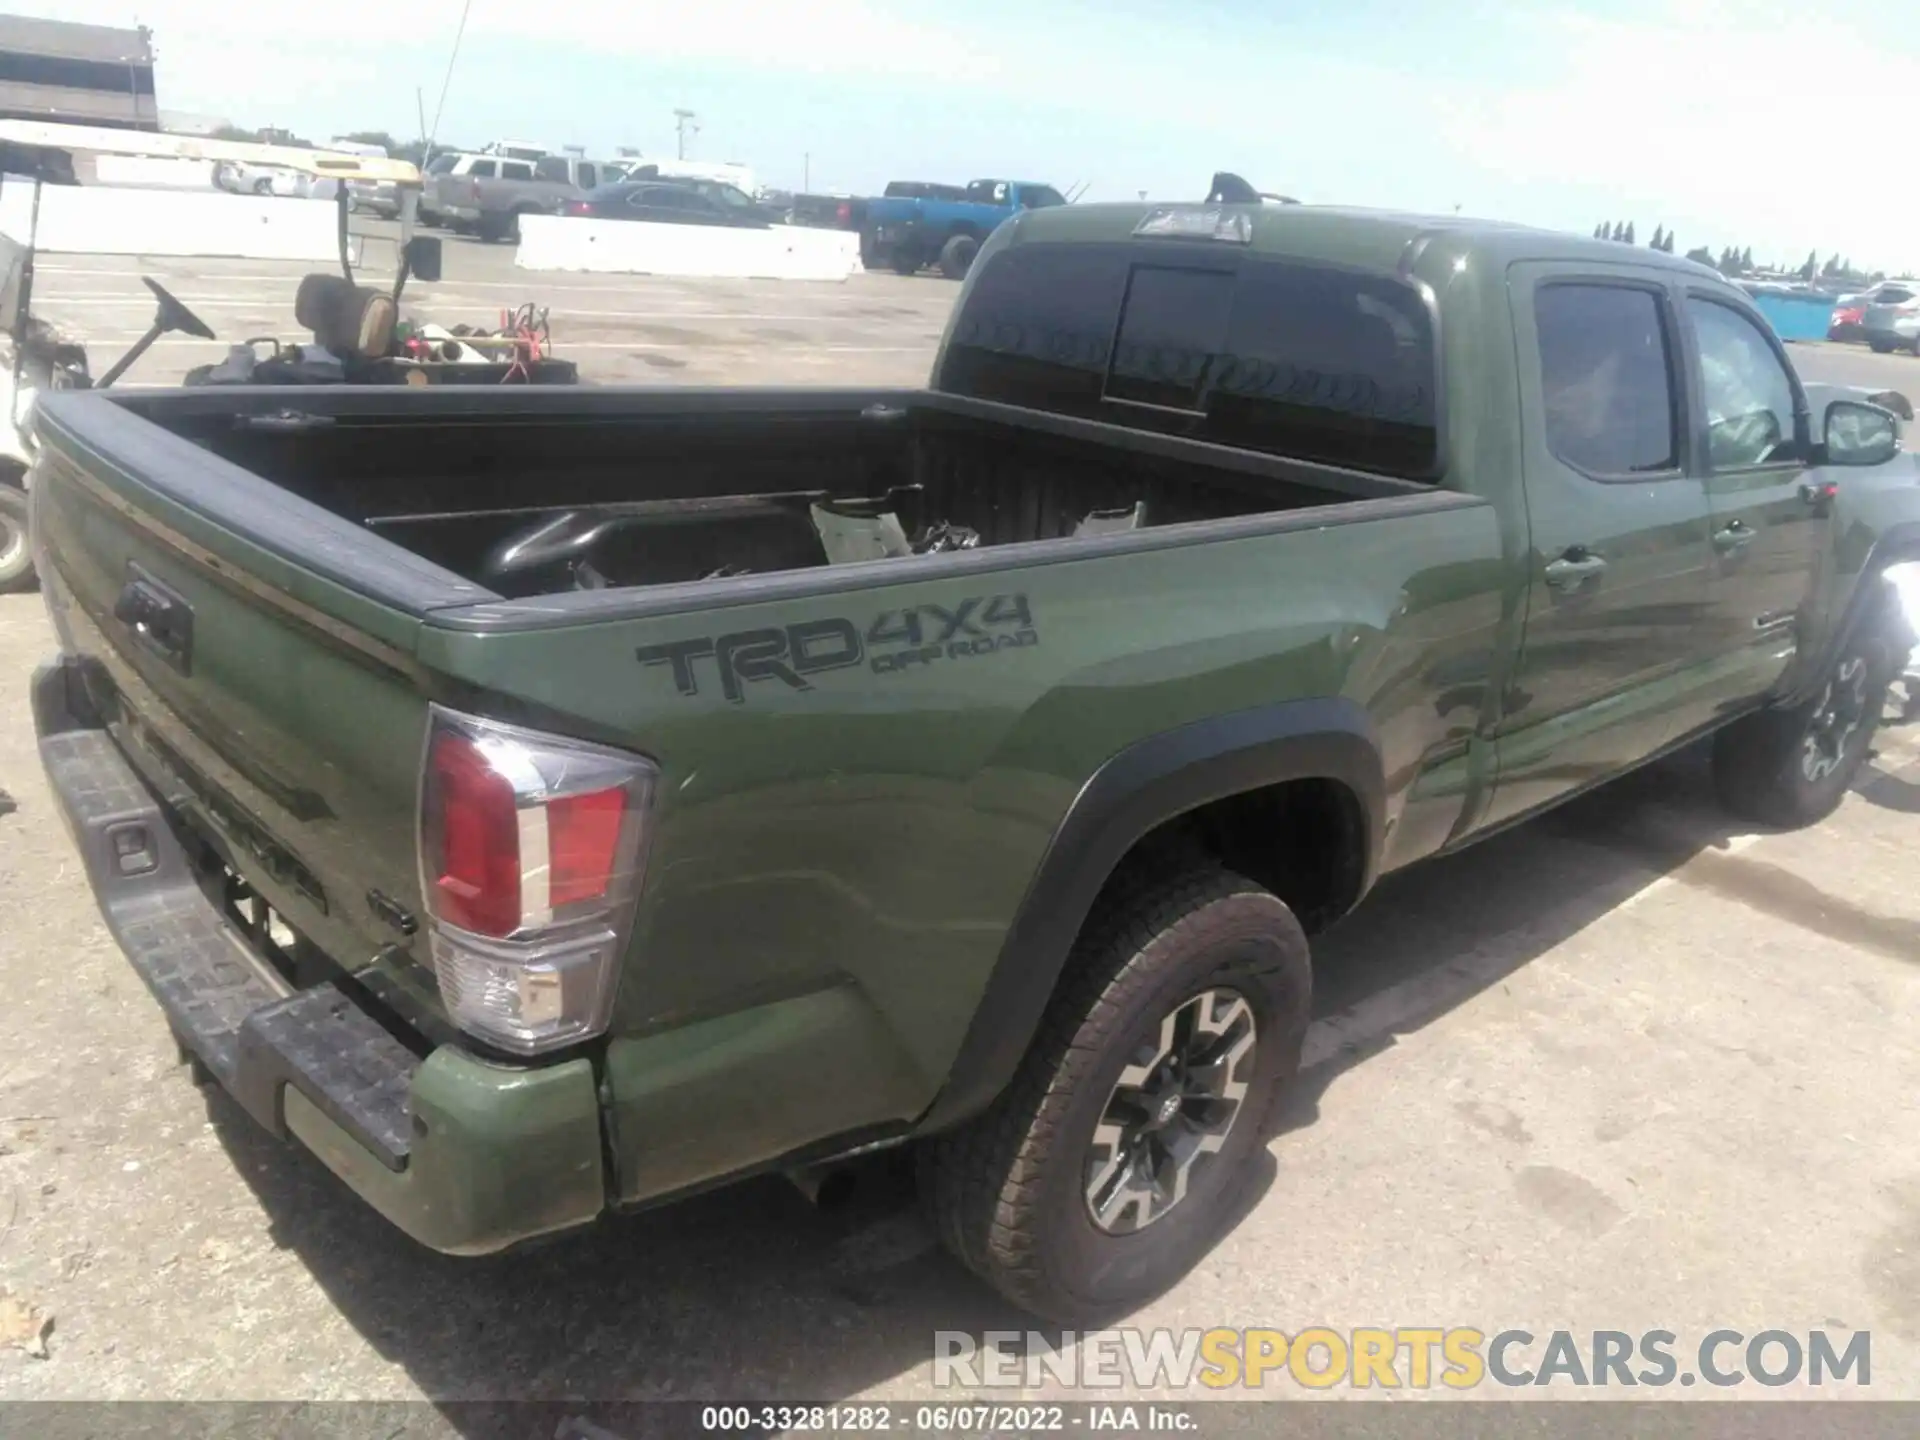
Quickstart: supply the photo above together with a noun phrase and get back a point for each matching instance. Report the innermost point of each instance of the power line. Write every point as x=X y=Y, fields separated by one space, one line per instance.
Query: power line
x=445 y=84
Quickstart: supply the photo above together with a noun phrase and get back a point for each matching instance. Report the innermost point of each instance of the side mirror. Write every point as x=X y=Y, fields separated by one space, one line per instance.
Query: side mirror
x=421 y=256
x=1858 y=434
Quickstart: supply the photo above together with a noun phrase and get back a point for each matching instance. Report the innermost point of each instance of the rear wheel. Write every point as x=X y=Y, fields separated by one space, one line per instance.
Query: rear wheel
x=1123 y=1147
x=16 y=555
x=904 y=261
x=1880 y=347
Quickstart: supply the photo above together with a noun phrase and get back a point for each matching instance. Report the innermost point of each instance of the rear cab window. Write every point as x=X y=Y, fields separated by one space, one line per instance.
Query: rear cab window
x=1269 y=354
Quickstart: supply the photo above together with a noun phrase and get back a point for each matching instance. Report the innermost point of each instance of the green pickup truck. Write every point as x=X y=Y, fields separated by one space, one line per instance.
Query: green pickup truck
x=544 y=804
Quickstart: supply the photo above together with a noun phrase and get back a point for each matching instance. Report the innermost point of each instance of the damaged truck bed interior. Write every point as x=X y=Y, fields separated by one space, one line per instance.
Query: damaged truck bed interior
x=582 y=490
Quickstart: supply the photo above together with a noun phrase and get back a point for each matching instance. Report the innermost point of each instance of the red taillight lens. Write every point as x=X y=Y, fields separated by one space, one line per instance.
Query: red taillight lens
x=473 y=839
x=579 y=207
x=532 y=852
x=583 y=839
x=845 y=213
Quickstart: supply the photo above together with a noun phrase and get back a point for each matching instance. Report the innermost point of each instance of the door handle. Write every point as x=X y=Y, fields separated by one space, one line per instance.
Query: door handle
x=1734 y=537
x=1575 y=567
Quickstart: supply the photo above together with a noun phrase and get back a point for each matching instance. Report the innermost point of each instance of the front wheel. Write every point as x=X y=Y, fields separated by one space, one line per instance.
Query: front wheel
x=904 y=261
x=1880 y=347
x=1790 y=768
x=16 y=554
x=1124 y=1145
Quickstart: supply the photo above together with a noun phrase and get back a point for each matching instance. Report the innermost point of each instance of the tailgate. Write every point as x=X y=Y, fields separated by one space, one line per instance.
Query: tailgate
x=251 y=655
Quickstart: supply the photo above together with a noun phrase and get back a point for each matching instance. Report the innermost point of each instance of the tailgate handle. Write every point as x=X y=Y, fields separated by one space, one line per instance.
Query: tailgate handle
x=158 y=617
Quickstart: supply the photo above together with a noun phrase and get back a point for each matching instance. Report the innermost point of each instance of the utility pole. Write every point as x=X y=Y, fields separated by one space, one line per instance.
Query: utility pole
x=806 y=172
x=685 y=122
x=420 y=104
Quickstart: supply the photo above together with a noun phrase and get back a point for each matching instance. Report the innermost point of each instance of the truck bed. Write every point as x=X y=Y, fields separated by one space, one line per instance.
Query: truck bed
x=596 y=490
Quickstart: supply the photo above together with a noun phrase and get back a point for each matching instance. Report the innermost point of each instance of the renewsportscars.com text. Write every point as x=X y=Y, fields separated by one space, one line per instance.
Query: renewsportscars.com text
x=1418 y=1358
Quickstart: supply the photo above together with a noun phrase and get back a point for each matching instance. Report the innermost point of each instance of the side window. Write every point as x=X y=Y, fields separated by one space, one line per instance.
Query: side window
x=589 y=177
x=516 y=170
x=1040 y=197
x=482 y=170
x=553 y=168
x=1606 y=374
x=1748 y=395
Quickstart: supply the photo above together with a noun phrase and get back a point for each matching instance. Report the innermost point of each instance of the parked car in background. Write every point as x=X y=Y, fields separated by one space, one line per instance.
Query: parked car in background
x=376 y=197
x=826 y=212
x=260 y=180
x=912 y=232
x=667 y=202
x=487 y=194
x=725 y=172
x=439 y=165
x=1892 y=318
x=1848 y=322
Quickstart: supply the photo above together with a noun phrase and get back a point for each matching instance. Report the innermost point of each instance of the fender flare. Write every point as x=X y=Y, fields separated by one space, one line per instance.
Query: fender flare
x=1897 y=544
x=1136 y=791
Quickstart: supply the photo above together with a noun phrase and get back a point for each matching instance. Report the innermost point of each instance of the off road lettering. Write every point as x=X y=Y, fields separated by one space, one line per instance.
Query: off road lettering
x=892 y=643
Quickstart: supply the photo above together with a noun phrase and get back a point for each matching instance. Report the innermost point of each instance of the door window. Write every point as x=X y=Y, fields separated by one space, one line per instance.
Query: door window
x=1606 y=375
x=516 y=170
x=1747 y=391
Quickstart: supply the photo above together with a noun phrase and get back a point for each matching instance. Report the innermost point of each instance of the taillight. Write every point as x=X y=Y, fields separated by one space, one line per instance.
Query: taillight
x=844 y=213
x=579 y=207
x=532 y=849
x=473 y=189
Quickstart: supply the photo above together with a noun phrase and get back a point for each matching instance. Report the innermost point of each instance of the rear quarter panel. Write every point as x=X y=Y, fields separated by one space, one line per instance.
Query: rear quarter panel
x=835 y=867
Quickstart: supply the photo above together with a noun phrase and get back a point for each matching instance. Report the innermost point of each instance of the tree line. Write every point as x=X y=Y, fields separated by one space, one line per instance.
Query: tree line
x=1736 y=261
x=414 y=152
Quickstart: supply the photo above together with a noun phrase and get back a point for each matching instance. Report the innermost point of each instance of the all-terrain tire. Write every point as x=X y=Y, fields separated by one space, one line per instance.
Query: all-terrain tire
x=956 y=256
x=1008 y=1192
x=16 y=554
x=1789 y=768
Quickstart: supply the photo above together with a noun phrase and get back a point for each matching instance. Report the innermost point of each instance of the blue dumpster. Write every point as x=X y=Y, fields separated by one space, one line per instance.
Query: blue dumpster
x=1794 y=316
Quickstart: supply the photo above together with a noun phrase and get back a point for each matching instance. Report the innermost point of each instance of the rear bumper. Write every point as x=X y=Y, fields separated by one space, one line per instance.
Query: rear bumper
x=465 y=1156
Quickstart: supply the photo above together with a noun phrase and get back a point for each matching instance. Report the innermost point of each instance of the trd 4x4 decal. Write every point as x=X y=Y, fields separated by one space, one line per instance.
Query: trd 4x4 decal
x=893 y=642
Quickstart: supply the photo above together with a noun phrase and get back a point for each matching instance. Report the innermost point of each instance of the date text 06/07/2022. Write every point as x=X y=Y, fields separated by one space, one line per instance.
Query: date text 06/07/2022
x=958 y=1418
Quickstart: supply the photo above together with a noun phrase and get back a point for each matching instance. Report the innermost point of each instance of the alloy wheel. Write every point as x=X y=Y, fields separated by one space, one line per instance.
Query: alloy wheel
x=1172 y=1107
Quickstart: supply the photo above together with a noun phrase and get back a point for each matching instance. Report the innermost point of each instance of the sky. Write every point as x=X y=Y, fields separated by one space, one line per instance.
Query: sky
x=1746 y=122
